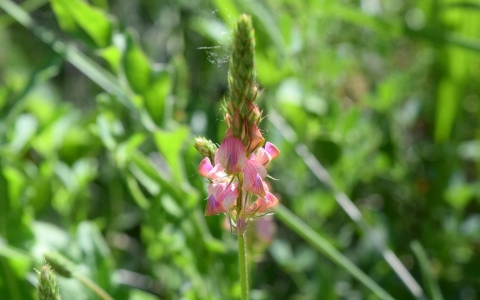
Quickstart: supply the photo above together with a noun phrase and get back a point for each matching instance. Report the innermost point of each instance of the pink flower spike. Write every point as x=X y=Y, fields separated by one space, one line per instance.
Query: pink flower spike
x=272 y=150
x=205 y=167
x=213 y=206
x=231 y=155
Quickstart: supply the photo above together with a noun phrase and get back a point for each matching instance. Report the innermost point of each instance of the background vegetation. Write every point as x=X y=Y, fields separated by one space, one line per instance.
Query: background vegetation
x=100 y=101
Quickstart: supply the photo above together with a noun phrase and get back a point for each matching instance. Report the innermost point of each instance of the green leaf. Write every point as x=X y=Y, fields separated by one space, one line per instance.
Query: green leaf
x=446 y=109
x=113 y=56
x=432 y=285
x=16 y=185
x=19 y=261
x=327 y=151
x=170 y=144
x=136 y=66
x=136 y=193
x=96 y=253
x=73 y=15
x=25 y=128
x=155 y=97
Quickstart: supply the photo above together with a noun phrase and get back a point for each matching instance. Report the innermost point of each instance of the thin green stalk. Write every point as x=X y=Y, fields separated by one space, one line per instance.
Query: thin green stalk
x=428 y=279
x=242 y=264
x=242 y=252
x=312 y=237
x=93 y=286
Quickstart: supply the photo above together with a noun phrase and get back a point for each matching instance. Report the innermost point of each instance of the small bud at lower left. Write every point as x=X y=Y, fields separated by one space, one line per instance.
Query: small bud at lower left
x=47 y=287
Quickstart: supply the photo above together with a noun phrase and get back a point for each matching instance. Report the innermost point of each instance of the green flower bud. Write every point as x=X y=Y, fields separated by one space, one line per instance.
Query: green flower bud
x=206 y=148
x=47 y=287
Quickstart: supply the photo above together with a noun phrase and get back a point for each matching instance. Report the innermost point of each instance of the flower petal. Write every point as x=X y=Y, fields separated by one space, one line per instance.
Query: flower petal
x=214 y=188
x=256 y=187
x=254 y=173
x=271 y=200
x=205 y=167
x=272 y=150
x=231 y=155
x=213 y=206
x=253 y=167
x=265 y=203
x=263 y=157
x=228 y=196
x=255 y=137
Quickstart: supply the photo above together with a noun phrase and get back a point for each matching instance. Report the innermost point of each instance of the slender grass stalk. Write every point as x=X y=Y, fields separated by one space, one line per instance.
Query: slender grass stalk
x=93 y=286
x=432 y=285
x=345 y=203
x=312 y=237
x=66 y=268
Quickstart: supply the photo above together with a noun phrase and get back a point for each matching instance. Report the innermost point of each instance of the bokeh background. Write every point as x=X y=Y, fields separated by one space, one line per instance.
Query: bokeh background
x=100 y=101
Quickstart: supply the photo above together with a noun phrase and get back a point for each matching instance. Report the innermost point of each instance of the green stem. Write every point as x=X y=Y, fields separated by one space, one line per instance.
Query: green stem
x=94 y=287
x=242 y=252
x=312 y=237
x=242 y=264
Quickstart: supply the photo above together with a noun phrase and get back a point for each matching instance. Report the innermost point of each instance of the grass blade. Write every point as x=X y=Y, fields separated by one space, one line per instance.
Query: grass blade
x=312 y=237
x=347 y=205
x=432 y=285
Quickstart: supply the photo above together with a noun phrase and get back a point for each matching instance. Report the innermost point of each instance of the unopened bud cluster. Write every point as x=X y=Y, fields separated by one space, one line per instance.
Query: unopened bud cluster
x=47 y=287
x=242 y=115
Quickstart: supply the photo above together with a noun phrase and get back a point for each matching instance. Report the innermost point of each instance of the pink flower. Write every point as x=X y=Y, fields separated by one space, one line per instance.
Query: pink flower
x=222 y=196
x=263 y=203
x=231 y=155
x=231 y=163
x=265 y=156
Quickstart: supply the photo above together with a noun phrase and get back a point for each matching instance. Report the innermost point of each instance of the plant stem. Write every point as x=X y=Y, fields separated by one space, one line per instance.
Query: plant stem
x=94 y=287
x=242 y=252
x=242 y=264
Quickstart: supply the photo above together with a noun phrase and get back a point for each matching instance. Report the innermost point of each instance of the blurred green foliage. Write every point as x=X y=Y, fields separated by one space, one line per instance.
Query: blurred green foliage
x=100 y=100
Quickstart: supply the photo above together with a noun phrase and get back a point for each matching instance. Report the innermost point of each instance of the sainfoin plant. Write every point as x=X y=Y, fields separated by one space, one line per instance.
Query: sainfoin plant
x=236 y=171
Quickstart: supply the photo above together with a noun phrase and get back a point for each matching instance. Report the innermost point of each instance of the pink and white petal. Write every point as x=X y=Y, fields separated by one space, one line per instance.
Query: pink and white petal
x=214 y=188
x=272 y=150
x=270 y=200
x=256 y=187
x=231 y=155
x=266 y=186
x=213 y=207
x=205 y=167
x=254 y=166
x=262 y=156
x=265 y=203
x=217 y=172
x=251 y=171
x=228 y=196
